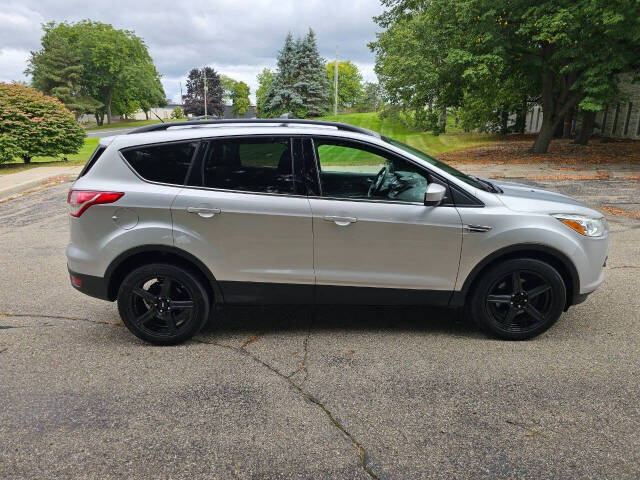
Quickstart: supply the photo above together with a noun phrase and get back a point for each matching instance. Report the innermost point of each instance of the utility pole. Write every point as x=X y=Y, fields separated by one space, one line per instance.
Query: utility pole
x=181 y=98
x=335 y=84
x=204 y=80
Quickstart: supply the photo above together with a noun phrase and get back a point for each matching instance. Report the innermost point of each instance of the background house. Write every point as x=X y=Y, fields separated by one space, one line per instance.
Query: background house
x=620 y=119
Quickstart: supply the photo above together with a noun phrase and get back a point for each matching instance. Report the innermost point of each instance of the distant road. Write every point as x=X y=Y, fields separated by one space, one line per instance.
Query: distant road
x=107 y=132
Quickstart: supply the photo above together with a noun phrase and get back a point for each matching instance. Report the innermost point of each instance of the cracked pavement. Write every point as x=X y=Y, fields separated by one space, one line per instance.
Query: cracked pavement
x=301 y=393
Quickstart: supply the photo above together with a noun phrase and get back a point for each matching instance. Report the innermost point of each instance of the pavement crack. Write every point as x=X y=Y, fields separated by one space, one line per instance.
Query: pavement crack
x=59 y=317
x=302 y=366
x=529 y=430
x=362 y=454
x=250 y=340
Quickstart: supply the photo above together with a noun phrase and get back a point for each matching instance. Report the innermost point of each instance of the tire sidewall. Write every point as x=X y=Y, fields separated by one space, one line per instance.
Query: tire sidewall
x=188 y=279
x=485 y=320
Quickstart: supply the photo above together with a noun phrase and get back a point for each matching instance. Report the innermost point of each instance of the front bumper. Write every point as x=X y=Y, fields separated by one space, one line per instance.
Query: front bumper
x=97 y=287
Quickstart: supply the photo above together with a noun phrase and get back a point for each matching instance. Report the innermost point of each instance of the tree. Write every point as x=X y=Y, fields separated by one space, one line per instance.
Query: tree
x=311 y=82
x=112 y=62
x=240 y=98
x=194 y=98
x=371 y=99
x=227 y=83
x=32 y=123
x=150 y=92
x=263 y=101
x=283 y=97
x=568 y=52
x=57 y=70
x=349 y=83
x=413 y=65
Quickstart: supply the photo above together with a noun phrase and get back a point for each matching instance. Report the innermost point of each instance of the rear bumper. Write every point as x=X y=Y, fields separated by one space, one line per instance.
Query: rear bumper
x=97 y=287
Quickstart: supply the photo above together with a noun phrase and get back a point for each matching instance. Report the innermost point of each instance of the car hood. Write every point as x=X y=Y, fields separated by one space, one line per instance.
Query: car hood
x=525 y=198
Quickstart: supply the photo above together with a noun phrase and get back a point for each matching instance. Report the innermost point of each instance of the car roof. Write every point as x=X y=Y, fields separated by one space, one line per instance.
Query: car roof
x=174 y=133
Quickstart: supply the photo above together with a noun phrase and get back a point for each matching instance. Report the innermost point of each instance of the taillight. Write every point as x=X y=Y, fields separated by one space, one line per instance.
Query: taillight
x=80 y=200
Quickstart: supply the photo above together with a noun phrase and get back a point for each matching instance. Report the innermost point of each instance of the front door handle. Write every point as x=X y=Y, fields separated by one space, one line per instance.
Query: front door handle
x=341 y=221
x=204 y=212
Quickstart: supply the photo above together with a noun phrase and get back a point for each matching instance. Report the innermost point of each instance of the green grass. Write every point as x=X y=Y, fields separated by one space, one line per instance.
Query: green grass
x=79 y=158
x=427 y=142
x=131 y=123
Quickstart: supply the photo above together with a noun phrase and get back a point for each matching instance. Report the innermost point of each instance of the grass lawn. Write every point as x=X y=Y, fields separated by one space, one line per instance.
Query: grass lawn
x=132 y=123
x=427 y=142
x=79 y=158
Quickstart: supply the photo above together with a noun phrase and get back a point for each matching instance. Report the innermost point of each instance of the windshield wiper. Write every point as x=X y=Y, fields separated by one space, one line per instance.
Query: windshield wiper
x=490 y=186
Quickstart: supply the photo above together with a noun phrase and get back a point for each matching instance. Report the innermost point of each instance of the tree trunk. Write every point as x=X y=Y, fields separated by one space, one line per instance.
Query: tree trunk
x=555 y=106
x=557 y=133
x=504 y=122
x=568 y=123
x=26 y=158
x=586 y=129
x=443 y=119
x=146 y=114
x=521 y=117
x=107 y=104
x=541 y=145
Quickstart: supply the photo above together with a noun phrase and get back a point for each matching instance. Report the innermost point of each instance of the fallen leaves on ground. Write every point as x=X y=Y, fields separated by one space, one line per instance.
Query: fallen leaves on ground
x=516 y=150
x=622 y=212
x=595 y=176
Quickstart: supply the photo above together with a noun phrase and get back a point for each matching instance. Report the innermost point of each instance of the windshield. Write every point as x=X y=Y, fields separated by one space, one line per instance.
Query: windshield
x=441 y=165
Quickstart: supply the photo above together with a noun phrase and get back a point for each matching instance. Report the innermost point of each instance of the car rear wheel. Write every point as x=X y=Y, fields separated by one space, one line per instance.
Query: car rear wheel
x=163 y=304
x=518 y=299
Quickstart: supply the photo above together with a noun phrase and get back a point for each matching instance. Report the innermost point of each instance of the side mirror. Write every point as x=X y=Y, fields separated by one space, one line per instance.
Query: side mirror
x=434 y=194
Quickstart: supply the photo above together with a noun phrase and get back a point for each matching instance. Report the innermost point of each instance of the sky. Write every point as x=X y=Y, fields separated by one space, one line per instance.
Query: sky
x=236 y=37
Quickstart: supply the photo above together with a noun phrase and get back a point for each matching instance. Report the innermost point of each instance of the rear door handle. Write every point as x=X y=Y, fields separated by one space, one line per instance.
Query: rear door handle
x=204 y=211
x=341 y=221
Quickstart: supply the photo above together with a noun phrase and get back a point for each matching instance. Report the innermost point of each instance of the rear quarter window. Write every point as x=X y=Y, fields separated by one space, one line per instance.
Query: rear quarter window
x=92 y=161
x=166 y=163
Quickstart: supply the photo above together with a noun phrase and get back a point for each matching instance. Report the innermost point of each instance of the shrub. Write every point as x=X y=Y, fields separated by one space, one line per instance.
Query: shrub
x=34 y=124
x=177 y=113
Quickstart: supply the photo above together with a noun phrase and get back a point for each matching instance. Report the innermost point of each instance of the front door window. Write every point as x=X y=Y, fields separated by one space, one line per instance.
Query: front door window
x=360 y=172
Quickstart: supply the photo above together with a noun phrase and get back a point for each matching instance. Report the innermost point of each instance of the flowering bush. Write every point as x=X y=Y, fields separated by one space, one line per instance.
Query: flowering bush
x=34 y=124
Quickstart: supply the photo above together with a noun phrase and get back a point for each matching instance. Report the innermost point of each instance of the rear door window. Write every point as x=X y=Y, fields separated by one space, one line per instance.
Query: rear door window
x=259 y=164
x=166 y=163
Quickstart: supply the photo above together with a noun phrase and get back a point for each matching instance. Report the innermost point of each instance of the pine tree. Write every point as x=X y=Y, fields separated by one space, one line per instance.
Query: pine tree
x=194 y=98
x=311 y=82
x=283 y=97
x=57 y=71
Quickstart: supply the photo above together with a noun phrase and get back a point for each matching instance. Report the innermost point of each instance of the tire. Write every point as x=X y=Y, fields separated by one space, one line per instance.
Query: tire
x=505 y=311
x=163 y=304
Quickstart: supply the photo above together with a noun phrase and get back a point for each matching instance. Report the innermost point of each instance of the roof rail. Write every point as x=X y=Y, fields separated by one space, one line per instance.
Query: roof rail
x=270 y=121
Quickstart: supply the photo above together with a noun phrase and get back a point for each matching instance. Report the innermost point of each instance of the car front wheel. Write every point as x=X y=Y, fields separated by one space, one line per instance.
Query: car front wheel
x=518 y=299
x=163 y=304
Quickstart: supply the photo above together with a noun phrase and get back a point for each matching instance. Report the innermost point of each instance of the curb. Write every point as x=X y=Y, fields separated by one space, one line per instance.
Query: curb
x=26 y=187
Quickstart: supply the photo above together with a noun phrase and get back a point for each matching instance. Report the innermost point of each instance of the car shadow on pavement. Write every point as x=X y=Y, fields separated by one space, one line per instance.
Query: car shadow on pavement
x=339 y=317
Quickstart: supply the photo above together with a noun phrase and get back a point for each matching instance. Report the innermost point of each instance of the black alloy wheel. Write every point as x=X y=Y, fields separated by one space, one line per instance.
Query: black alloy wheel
x=519 y=299
x=163 y=304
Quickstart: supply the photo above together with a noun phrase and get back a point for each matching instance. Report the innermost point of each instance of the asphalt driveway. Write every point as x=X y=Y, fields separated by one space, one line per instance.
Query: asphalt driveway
x=295 y=393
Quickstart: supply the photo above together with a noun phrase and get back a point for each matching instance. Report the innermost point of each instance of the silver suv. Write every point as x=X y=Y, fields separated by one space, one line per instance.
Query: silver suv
x=176 y=219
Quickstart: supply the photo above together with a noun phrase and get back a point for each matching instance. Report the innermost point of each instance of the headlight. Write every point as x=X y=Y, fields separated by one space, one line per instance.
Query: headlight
x=583 y=224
